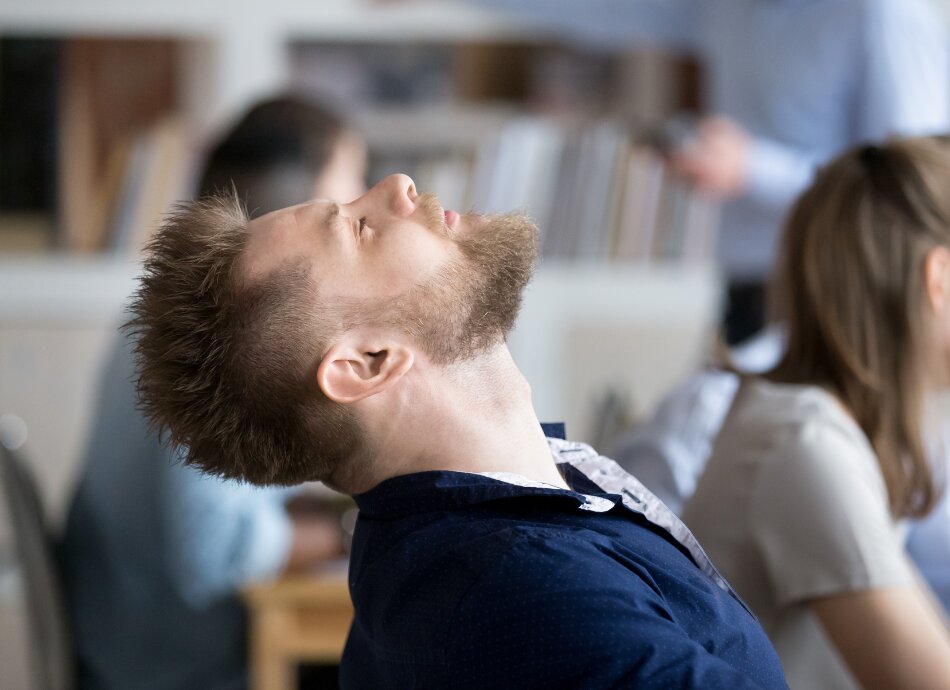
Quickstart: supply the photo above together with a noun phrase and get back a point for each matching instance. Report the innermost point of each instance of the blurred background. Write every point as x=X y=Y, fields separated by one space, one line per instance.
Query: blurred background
x=107 y=107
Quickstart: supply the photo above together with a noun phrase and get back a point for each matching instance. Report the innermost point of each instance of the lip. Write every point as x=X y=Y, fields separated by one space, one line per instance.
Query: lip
x=451 y=219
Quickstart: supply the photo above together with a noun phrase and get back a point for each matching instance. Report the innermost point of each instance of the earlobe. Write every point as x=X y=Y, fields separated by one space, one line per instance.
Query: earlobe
x=349 y=373
x=937 y=278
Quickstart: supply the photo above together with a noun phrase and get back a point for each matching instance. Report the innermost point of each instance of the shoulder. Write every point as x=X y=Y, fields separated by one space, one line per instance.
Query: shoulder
x=472 y=579
x=558 y=610
x=536 y=582
x=820 y=498
x=527 y=553
x=799 y=440
x=789 y=416
x=815 y=436
x=532 y=568
x=809 y=435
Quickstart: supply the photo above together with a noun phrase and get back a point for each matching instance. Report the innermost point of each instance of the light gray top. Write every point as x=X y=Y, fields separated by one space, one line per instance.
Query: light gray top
x=793 y=506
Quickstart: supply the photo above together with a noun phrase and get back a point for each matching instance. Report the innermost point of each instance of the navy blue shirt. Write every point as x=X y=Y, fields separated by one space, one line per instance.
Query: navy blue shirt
x=469 y=581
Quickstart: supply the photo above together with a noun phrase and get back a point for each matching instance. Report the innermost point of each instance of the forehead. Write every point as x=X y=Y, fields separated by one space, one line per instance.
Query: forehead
x=278 y=237
x=399 y=252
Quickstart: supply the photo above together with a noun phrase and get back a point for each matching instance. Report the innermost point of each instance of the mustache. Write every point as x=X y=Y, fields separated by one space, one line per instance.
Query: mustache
x=433 y=213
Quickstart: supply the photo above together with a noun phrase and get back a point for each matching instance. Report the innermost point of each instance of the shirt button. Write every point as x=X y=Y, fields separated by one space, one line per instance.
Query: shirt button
x=632 y=496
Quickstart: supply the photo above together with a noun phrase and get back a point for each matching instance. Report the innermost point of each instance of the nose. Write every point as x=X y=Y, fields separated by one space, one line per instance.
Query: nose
x=398 y=192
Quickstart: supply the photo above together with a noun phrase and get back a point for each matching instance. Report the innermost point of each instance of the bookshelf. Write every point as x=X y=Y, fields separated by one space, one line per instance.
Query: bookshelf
x=154 y=81
x=123 y=76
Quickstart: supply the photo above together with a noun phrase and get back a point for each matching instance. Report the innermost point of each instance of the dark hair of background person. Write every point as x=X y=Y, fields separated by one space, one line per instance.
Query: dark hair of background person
x=850 y=286
x=273 y=155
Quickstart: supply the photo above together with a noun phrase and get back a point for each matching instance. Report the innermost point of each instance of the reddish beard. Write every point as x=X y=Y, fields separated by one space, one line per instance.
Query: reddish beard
x=472 y=303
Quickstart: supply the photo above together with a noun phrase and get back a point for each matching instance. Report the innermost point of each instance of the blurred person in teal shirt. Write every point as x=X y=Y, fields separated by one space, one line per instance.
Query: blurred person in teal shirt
x=154 y=553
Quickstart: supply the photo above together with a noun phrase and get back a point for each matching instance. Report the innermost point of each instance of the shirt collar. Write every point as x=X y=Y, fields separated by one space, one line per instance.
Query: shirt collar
x=442 y=490
x=446 y=490
x=437 y=491
x=597 y=485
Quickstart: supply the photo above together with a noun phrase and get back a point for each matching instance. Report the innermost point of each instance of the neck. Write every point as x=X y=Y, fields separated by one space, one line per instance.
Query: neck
x=476 y=416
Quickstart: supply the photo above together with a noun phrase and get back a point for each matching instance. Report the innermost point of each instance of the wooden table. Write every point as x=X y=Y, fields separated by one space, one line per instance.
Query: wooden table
x=294 y=620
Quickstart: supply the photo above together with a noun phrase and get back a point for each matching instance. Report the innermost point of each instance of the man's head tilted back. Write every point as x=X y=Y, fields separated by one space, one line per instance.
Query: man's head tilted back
x=265 y=346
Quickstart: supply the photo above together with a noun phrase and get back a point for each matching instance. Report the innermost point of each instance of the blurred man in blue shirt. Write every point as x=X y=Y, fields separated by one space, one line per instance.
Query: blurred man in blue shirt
x=788 y=84
x=363 y=344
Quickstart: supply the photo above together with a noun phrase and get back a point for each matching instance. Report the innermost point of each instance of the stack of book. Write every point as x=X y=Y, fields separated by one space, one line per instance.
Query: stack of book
x=124 y=153
x=144 y=175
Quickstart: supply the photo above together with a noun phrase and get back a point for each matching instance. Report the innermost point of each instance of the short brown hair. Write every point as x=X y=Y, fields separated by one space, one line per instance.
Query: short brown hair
x=850 y=287
x=223 y=363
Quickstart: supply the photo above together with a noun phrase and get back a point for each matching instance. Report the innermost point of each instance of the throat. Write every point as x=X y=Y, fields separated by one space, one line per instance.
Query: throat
x=514 y=445
x=474 y=417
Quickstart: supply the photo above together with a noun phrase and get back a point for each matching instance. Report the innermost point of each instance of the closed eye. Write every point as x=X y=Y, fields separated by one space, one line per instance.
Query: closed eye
x=362 y=224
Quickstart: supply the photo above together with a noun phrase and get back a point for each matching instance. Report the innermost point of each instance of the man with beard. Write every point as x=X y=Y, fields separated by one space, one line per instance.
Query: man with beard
x=362 y=344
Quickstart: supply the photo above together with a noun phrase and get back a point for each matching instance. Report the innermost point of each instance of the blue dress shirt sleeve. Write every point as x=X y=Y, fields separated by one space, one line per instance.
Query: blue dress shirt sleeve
x=906 y=82
x=777 y=173
x=904 y=90
x=221 y=534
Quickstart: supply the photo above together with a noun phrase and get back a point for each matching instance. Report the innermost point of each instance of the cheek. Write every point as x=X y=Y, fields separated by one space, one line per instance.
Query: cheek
x=415 y=258
x=412 y=267
x=396 y=256
x=396 y=271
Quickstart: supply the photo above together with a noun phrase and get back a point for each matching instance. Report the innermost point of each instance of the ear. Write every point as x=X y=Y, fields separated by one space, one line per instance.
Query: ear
x=937 y=278
x=352 y=371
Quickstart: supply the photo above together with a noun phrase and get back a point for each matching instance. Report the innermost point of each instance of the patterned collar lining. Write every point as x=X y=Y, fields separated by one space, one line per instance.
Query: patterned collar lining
x=612 y=479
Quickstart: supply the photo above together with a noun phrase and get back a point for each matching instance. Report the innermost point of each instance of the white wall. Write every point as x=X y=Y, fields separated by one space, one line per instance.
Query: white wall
x=58 y=317
x=588 y=328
